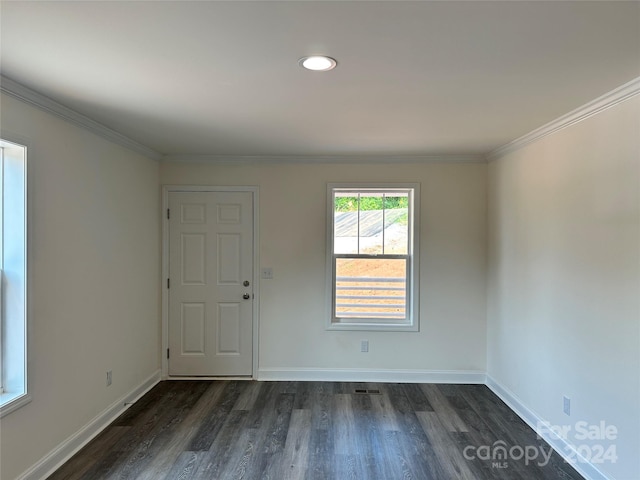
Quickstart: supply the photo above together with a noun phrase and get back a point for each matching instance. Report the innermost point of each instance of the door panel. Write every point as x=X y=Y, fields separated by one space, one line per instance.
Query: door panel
x=210 y=259
x=229 y=259
x=193 y=321
x=193 y=259
x=229 y=329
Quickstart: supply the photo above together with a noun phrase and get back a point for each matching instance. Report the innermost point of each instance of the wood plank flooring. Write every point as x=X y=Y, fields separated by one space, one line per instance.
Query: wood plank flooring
x=316 y=430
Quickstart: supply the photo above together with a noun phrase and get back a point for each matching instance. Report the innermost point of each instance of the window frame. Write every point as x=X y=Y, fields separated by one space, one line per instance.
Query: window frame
x=14 y=355
x=411 y=323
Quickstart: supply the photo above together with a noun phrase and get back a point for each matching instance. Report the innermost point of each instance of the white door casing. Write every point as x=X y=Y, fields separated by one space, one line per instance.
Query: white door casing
x=210 y=283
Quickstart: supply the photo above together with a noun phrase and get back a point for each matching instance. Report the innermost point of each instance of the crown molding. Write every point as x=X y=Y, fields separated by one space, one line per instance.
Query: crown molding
x=608 y=100
x=25 y=94
x=316 y=159
x=590 y=109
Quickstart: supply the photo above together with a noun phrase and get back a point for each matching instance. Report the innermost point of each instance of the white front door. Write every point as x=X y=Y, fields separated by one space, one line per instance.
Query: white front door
x=210 y=283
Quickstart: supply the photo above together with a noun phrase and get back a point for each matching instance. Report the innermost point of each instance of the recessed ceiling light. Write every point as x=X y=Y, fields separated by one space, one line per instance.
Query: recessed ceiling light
x=318 y=63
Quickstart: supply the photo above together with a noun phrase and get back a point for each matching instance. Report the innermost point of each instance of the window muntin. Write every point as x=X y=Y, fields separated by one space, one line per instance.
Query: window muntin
x=372 y=262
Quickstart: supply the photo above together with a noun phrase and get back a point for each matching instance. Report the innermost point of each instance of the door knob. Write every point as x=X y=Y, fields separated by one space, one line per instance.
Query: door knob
x=246 y=296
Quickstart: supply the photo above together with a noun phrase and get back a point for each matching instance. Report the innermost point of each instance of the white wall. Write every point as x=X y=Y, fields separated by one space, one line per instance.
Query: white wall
x=293 y=306
x=94 y=277
x=564 y=277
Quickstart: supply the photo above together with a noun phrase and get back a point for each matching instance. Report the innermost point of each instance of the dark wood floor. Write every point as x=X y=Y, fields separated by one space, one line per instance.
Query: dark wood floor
x=315 y=430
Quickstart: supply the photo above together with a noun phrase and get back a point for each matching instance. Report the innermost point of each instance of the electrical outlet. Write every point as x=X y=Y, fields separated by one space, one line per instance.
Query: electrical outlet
x=364 y=346
x=266 y=273
x=566 y=405
x=109 y=378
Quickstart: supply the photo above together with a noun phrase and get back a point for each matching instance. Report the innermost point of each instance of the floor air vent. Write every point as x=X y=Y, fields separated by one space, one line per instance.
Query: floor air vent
x=362 y=391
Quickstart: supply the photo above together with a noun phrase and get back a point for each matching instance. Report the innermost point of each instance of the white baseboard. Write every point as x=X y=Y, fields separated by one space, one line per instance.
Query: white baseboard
x=560 y=445
x=63 y=452
x=371 y=375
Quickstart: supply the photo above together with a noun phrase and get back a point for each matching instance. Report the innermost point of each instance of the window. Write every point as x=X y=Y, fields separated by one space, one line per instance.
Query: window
x=373 y=258
x=13 y=277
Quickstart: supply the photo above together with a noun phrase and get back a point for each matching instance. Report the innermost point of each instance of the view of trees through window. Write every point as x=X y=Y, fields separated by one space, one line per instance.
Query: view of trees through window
x=368 y=202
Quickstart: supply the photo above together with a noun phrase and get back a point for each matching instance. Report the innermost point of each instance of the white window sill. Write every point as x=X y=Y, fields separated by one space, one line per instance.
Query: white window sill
x=12 y=401
x=373 y=327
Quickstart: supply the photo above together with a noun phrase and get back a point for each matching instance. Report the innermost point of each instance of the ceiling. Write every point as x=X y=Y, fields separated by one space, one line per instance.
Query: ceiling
x=413 y=77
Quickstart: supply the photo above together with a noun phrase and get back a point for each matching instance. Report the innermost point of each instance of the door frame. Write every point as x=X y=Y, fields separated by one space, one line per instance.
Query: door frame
x=166 y=190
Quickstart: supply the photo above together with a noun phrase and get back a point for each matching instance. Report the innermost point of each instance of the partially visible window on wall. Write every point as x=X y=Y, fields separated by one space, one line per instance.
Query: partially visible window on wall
x=373 y=256
x=13 y=277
